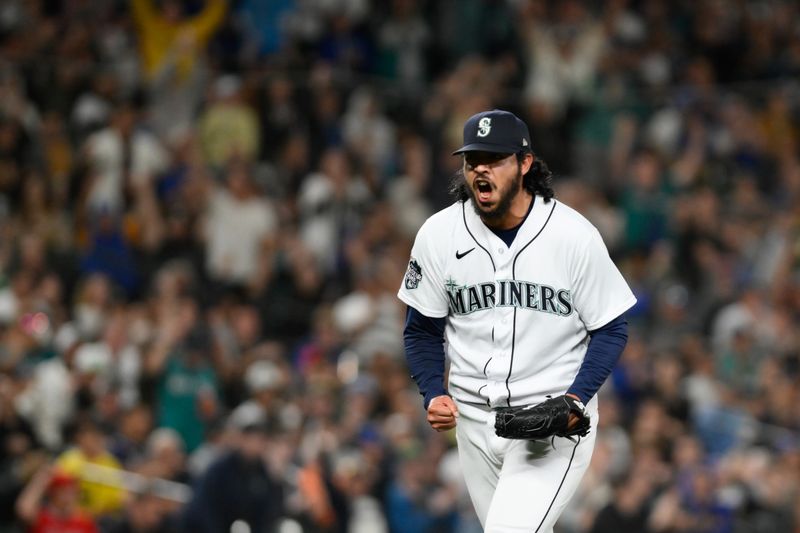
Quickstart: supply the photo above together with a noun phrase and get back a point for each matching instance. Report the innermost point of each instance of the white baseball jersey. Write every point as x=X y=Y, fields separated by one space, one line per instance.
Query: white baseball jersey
x=517 y=318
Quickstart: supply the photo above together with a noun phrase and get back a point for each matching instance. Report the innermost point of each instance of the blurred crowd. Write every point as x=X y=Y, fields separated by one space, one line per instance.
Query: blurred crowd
x=206 y=209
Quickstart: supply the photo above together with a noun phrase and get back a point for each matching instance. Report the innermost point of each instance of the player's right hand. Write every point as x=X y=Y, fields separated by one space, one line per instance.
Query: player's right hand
x=442 y=413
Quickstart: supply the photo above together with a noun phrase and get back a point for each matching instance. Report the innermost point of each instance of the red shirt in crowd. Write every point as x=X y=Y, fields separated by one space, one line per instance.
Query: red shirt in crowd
x=48 y=522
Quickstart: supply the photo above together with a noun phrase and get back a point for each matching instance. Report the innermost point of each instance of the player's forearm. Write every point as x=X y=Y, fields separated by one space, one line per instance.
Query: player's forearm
x=423 y=338
x=430 y=380
x=605 y=348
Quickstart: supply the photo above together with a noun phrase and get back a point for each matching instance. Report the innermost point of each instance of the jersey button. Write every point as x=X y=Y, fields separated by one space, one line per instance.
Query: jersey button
x=500 y=250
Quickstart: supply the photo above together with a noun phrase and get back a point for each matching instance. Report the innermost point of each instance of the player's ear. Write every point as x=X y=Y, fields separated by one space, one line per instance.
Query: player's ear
x=526 y=160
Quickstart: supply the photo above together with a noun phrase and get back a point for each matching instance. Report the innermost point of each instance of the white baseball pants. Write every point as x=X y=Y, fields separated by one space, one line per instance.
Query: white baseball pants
x=519 y=485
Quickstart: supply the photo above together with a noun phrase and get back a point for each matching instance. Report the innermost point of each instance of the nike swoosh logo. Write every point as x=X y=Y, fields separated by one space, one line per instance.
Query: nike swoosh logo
x=459 y=256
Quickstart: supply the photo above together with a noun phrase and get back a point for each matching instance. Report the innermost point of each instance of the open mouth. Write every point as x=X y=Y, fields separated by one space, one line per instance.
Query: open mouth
x=483 y=189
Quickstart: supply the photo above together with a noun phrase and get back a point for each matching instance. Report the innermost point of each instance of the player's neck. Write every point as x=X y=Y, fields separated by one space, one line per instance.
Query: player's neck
x=517 y=212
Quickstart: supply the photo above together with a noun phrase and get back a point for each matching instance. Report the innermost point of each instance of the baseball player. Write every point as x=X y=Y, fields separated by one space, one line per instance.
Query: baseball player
x=518 y=292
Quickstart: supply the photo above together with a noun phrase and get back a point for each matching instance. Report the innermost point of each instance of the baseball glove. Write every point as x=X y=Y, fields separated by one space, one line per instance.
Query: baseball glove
x=542 y=421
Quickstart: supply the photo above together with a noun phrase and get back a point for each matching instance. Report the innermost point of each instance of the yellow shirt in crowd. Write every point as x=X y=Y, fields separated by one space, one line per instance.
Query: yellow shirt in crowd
x=100 y=480
x=158 y=36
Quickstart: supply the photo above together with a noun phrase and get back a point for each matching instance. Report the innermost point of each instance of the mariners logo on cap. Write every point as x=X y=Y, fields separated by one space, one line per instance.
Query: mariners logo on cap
x=496 y=131
x=484 y=126
x=413 y=274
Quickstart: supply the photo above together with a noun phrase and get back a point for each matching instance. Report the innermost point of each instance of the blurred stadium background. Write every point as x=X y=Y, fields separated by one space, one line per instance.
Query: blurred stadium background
x=206 y=208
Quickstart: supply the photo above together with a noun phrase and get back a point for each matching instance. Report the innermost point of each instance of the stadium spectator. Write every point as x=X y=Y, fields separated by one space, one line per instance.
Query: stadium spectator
x=90 y=462
x=238 y=208
x=50 y=504
x=229 y=126
x=239 y=485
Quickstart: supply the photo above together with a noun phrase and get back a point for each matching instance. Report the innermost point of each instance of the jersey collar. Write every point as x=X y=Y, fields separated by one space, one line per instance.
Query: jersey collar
x=533 y=224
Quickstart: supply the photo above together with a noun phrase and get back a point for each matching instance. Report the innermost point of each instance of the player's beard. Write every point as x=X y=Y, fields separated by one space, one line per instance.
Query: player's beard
x=503 y=205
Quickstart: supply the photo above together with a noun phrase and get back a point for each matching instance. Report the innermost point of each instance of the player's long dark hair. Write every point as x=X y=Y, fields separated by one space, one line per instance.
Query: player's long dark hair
x=538 y=181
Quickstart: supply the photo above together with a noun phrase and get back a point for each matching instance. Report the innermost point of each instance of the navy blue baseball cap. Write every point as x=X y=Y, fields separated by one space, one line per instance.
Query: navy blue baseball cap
x=495 y=131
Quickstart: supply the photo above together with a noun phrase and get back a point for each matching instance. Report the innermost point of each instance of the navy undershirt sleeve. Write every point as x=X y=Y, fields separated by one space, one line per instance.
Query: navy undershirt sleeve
x=605 y=347
x=423 y=338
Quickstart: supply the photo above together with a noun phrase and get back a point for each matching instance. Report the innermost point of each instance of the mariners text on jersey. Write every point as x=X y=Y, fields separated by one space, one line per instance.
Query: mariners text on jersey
x=467 y=299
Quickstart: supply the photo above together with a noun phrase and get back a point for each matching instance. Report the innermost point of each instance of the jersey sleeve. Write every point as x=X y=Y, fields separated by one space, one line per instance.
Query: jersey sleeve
x=423 y=284
x=600 y=292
